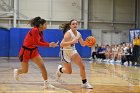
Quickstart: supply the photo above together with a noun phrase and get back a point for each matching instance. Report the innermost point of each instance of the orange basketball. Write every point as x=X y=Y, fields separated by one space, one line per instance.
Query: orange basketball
x=90 y=41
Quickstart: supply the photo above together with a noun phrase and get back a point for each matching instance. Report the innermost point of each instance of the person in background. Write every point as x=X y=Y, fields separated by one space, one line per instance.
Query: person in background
x=94 y=50
x=101 y=52
x=136 y=49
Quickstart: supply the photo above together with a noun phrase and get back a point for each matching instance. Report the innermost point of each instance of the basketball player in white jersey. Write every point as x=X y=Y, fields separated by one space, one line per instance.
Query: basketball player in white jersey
x=69 y=53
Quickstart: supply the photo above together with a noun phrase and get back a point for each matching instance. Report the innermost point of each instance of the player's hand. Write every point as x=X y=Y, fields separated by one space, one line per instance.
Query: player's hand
x=53 y=44
x=84 y=43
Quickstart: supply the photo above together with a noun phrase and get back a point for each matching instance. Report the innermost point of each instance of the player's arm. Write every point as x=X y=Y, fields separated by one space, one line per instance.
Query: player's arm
x=66 y=40
x=82 y=42
x=52 y=44
x=36 y=39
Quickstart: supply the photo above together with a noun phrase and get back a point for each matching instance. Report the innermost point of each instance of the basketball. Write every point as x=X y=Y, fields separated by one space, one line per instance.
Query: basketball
x=90 y=41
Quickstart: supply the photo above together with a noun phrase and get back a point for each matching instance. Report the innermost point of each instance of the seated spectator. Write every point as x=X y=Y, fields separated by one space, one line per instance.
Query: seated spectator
x=101 y=52
x=127 y=54
x=108 y=53
x=94 y=50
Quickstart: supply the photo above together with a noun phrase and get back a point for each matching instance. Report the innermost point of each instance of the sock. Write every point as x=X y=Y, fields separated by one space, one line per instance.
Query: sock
x=61 y=69
x=45 y=81
x=84 y=81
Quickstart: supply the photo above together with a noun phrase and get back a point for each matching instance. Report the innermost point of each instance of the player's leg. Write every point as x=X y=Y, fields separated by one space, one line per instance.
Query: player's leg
x=66 y=59
x=24 y=56
x=23 y=69
x=40 y=63
x=78 y=61
x=66 y=68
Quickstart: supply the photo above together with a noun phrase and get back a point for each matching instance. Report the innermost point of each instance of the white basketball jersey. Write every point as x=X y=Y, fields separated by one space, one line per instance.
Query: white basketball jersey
x=73 y=36
x=68 y=51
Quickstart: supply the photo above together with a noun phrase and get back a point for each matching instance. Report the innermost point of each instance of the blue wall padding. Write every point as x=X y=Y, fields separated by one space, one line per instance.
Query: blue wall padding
x=84 y=51
x=17 y=36
x=51 y=35
x=4 y=42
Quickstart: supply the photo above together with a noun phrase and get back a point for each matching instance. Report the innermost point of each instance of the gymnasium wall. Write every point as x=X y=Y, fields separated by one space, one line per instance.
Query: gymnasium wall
x=4 y=42
x=11 y=41
x=104 y=13
x=138 y=14
x=60 y=10
x=109 y=15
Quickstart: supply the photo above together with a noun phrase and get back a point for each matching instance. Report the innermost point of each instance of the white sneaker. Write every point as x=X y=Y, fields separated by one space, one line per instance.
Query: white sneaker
x=48 y=86
x=16 y=75
x=112 y=61
x=58 y=73
x=87 y=85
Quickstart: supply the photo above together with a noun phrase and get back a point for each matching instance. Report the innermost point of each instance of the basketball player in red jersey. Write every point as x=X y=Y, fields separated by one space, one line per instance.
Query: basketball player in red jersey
x=29 y=50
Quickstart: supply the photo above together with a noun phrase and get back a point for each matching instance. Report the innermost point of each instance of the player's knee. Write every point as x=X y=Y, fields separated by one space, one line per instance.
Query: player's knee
x=82 y=66
x=41 y=66
x=24 y=71
x=69 y=71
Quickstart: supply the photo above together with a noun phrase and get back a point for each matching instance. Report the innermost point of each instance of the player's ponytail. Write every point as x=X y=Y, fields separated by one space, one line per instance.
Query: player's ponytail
x=66 y=27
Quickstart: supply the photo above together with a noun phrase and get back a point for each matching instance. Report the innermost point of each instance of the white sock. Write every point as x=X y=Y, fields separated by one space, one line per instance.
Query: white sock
x=45 y=80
